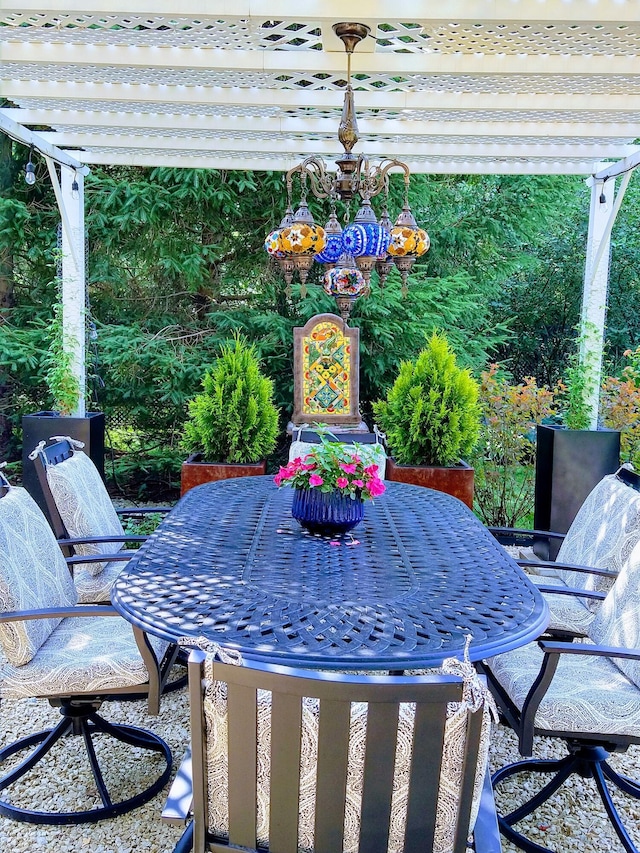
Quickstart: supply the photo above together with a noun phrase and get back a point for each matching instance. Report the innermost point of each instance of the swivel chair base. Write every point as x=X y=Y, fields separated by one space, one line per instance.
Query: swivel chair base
x=586 y=761
x=81 y=718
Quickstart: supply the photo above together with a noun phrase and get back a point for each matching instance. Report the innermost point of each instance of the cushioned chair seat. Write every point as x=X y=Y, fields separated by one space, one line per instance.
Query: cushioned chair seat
x=92 y=587
x=588 y=694
x=566 y=612
x=83 y=655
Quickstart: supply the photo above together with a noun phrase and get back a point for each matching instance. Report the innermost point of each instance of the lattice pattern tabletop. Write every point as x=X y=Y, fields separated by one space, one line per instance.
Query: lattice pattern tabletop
x=418 y=575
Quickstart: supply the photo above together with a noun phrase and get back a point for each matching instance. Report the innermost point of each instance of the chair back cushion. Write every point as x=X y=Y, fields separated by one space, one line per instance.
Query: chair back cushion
x=33 y=574
x=617 y=622
x=455 y=747
x=604 y=534
x=84 y=506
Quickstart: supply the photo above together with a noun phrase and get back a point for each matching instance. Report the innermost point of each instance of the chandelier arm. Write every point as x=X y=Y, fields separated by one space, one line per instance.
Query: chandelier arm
x=321 y=181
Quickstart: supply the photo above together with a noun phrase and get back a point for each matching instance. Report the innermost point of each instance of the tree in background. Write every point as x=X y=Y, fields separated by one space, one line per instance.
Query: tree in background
x=176 y=265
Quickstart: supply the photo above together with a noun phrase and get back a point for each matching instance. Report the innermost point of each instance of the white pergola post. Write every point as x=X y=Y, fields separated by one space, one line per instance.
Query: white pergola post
x=602 y=216
x=71 y=204
x=594 y=295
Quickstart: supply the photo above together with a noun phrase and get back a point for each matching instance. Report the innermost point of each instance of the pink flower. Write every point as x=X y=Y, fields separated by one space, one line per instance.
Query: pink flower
x=376 y=487
x=315 y=480
x=358 y=484
x=371 y=469
x=342 y=482
x=348 y=467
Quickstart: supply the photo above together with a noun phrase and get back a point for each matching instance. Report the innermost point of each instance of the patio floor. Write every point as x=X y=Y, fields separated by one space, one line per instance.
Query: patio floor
x=572 y=828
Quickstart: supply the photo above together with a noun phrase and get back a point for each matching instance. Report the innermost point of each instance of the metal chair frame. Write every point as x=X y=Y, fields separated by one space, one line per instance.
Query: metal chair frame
x=431 y=694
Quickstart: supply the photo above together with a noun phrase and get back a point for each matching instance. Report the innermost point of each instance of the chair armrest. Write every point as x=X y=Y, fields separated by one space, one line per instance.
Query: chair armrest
x=567 y=567
x=59 y=612
x=79 y=559
x=520 y=532
x=177 y=807
x=143 y=510
x=86 y=540
x=569 y=590
x=554 y=647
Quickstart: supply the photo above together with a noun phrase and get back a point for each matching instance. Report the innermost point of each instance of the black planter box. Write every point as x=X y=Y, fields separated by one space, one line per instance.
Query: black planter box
x=569 y=463
x=41 y=426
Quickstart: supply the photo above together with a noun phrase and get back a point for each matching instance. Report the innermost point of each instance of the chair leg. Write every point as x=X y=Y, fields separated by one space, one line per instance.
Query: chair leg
x=588 y=762
x=82 y=719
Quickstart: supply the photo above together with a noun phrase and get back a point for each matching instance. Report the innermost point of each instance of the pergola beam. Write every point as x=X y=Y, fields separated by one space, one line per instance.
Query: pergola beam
x=22 y=134
x=297 y=61
x=334 y=10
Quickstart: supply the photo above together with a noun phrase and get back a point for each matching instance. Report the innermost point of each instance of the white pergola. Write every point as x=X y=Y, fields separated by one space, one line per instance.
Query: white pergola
x=466 y=86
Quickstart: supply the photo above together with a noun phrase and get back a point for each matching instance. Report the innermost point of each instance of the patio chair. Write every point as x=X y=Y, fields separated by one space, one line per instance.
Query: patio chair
x=76 y=658
x=598 y=545
x=83 y=516
x=587 y=694
x=287 y=760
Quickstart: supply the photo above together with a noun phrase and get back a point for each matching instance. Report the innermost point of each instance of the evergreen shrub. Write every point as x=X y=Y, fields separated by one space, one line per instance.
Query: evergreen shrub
x=233 y=418
x=431 y=415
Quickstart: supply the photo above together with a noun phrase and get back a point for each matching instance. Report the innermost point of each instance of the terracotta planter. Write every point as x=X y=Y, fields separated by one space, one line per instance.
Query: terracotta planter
x=195 y=472
x=456 y=481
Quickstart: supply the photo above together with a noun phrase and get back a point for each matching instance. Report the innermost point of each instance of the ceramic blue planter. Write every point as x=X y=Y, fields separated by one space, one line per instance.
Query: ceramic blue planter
x=328 y=513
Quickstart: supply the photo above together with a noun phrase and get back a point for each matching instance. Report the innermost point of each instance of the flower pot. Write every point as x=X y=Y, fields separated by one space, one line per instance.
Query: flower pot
x=569 y=463
x=328 y=513
x=195 y=472
x=456 y=480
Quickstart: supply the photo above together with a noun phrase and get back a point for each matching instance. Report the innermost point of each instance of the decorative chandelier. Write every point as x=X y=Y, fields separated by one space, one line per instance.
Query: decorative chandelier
x=349 y=254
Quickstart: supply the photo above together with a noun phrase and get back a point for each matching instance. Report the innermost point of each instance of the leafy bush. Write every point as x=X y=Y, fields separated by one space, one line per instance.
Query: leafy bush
x=431 y=414
x=505 y=453
x=234 y=418
x=620 y=406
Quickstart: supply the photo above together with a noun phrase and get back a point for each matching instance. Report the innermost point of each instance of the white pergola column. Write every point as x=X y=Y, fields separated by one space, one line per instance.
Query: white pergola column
x=595 y=290
x=605 y=204
x=71 y=205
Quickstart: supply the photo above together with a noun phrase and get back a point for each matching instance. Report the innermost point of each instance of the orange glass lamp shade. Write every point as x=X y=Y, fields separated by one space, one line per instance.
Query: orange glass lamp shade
x=302 y=238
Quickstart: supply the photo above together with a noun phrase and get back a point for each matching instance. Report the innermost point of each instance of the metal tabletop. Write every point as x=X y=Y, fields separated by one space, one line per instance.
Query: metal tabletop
x=415 y=577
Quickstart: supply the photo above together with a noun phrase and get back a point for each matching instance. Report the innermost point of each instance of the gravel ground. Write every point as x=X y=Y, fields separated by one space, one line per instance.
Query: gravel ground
x=574 y=822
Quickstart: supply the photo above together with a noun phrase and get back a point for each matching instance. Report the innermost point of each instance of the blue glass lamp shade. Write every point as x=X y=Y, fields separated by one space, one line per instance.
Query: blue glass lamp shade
x=365 y=238
x=332 y=250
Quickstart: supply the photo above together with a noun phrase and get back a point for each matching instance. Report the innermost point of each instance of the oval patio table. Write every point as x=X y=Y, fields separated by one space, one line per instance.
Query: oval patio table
x=404 y=590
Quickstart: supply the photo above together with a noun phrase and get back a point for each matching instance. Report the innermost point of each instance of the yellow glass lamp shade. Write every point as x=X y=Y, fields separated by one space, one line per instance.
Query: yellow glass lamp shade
x=302 y=238
x=406 y=240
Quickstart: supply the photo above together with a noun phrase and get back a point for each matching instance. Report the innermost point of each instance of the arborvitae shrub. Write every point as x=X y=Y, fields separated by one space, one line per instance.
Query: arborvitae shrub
x=431 y=415
x=234 y=418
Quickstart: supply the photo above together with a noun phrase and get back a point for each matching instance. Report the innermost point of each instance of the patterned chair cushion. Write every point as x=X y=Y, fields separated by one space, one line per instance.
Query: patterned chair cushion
x=588 y=694
x=82 y=655
x=566 y=612
x=603 y=534
x=96 y=588
x=617 y=623
x=33 y=574
x=215 y=713
x=85 y=506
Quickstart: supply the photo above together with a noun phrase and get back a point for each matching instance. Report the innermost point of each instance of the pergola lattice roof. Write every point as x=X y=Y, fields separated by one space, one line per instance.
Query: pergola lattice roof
x=496 y=86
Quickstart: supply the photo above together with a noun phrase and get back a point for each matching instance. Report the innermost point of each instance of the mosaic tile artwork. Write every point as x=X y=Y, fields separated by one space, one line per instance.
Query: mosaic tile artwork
x=326 y=370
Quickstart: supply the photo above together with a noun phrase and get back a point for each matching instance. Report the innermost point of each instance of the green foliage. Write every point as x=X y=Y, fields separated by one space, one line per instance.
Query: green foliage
x=431 y=414
x=620 y=407
x=234 y=418
x=504 y=456
x=61 y=380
